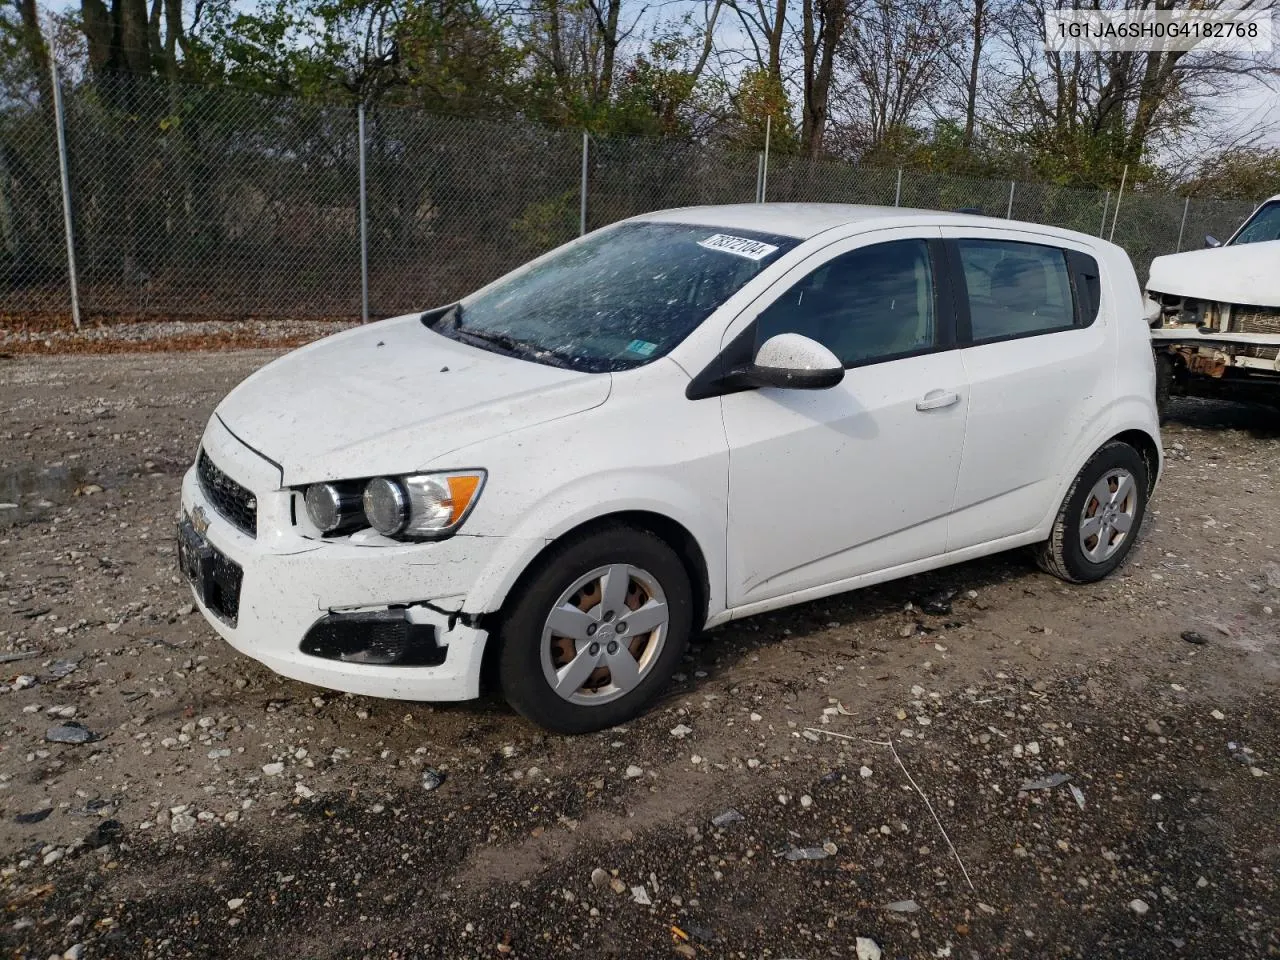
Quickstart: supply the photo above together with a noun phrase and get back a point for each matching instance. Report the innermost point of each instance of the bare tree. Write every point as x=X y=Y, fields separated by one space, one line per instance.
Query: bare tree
x=894 y=58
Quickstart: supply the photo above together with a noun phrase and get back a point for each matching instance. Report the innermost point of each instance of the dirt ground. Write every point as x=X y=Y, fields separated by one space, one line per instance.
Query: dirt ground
x=221 y=811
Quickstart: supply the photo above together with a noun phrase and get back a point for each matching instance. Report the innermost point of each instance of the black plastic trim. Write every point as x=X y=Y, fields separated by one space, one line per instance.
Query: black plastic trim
x=379 y=637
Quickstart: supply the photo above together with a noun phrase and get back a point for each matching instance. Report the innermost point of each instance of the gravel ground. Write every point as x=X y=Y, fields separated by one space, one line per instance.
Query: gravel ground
x=56 y=335
x=221 y=811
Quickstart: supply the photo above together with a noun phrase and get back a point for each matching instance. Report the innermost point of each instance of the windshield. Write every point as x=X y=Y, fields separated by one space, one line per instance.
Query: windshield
x=1263 y=225
x=615 y=301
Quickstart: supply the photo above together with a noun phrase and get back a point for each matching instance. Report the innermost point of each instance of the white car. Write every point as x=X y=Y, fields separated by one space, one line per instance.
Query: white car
x=1215 y=315
x=680 y=420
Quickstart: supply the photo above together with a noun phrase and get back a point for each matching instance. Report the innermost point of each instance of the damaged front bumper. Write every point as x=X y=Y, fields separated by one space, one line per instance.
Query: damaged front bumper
x=379 y=620
x=1218 y=348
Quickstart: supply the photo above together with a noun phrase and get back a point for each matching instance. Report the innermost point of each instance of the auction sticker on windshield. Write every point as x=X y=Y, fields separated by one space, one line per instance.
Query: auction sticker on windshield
x=740 y=246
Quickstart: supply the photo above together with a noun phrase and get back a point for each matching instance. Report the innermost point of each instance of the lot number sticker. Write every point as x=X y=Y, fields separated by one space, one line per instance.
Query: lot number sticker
x=739 y=246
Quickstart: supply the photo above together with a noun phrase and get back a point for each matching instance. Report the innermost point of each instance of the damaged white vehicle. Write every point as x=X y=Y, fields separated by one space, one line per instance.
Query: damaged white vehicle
x=679 y=420
x=1215 y=315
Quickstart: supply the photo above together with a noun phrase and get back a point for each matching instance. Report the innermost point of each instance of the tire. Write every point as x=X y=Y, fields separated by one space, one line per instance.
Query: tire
x=590 y=639
x=1084 y=559
x=1164 y=385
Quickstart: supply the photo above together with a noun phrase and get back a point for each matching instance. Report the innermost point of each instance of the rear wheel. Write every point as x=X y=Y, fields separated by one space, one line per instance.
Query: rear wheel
x=1099 y=520
x=595 y=633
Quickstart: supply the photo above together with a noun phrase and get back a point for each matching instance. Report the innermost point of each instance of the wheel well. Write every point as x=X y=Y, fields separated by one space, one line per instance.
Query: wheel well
x=674 y=534
x=669 y=531
x=1146 y=446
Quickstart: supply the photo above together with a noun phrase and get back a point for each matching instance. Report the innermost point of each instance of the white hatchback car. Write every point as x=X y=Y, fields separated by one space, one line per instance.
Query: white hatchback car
x=679 y=420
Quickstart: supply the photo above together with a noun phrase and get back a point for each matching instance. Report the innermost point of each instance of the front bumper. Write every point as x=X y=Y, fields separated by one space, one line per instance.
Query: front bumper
x=291 y=582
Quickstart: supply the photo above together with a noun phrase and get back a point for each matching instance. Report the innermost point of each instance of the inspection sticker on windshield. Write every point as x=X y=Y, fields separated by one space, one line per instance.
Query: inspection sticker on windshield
x=740 y=246
x=642 y=347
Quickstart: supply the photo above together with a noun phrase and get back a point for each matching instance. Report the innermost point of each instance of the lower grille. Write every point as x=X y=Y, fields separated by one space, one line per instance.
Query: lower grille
x=1248 y=319
x=231 y=500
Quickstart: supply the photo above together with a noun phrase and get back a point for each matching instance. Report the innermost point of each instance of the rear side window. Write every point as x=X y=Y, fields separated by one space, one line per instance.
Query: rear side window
x=1016 y=289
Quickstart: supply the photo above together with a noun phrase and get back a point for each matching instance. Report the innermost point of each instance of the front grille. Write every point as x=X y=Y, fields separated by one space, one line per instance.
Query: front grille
x=231 y=500
x=1248 y=319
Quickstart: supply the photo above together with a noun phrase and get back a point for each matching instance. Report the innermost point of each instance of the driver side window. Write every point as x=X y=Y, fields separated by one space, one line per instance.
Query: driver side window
x=869 y=304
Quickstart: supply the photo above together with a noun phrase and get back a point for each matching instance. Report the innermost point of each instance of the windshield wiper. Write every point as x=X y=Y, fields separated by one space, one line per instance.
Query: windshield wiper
x=510 y=344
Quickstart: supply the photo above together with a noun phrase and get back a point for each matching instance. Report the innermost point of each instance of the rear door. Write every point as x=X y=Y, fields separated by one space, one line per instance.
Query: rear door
x=1041 y=366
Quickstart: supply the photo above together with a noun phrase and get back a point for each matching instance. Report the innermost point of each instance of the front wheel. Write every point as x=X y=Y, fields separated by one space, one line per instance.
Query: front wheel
x=1099 y=520
x=595 y=633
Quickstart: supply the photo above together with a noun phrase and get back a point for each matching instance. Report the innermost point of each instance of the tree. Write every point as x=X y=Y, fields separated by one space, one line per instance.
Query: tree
x=824 y=27
x=894 y=57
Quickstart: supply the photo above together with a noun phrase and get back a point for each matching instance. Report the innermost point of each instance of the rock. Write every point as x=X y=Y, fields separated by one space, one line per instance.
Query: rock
x=599 y=877
x=681 y=731
x=866 y=948
x=937 y=604
x=726 y=818
x=303 y=791
x=1217 y=715
x=633 y=771
x=273 y=769
x=53 y=856
x=104 y=834
x=909 y=630
x=641 y=896
x=1139 y=907
x=182 y=822
x=684 y=950
x=34 y=817
x=68 y=733
x=235 y=903
x=1271 y=571
x=617 y=886
x=1048 y=783
x=806 y=853
x=1193 y=636
x=431 y=779
x=903 y=906
x=864 y=772
x=73 y=952
x=806 y=801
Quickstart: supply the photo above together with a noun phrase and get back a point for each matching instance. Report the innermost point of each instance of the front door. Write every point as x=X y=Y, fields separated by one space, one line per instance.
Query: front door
x=825 y=485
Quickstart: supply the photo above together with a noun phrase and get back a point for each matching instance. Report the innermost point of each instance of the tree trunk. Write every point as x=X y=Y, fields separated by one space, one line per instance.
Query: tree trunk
x=971 y=88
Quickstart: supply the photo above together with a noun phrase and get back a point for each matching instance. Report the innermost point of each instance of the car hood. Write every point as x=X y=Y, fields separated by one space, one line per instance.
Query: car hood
x=1248 y=273
x=394 y=397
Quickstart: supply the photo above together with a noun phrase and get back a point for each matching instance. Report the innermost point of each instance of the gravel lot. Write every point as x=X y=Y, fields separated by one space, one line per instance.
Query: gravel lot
x=221 y=811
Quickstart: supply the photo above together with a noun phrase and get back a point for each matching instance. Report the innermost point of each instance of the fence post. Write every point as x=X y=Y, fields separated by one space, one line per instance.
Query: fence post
x=66 y=189
x=582 y=200
x=1008 y=214
x=764 y=170
x=759 y=176
x=1182 y=226
x=897 y=193
x=1106 y=203
x=364 y=225
x=1115 y=216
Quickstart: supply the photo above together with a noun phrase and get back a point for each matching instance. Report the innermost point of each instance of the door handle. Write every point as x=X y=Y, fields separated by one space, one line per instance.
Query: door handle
x=937 y=399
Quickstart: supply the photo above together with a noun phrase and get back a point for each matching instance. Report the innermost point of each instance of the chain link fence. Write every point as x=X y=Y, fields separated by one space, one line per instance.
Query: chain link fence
x=215 y=203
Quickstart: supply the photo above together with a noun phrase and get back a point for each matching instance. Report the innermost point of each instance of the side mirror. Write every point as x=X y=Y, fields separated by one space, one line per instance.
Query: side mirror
x=791 y=361
x=1211 y=241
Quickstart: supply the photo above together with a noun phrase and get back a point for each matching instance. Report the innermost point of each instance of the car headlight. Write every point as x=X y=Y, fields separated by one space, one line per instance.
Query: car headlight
x=335 y=507
x=417 y=506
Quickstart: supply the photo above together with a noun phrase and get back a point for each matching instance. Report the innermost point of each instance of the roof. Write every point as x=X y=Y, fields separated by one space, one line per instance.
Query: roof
x=804 y=220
